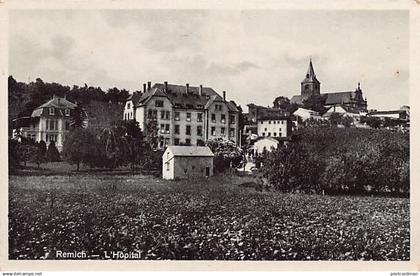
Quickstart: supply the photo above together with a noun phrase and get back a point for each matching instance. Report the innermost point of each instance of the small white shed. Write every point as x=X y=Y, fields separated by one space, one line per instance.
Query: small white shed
x=187 y=161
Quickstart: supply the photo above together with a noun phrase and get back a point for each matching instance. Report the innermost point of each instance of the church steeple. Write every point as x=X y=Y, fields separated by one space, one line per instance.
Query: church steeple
x=310 y=73
x=310 y=85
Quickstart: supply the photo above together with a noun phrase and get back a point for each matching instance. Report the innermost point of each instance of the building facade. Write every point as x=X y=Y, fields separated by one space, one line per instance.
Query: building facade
x=274 y=126
x=180 y=162
x=311 y=86
x=184 y=115
x=48 y=122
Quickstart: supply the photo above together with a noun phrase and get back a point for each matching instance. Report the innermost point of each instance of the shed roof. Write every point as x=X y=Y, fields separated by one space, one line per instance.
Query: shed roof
x=190 y=151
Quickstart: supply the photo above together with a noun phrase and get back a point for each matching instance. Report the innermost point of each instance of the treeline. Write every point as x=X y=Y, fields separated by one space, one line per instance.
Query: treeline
x=342 y=161
x=121 y=144
x=25 y=97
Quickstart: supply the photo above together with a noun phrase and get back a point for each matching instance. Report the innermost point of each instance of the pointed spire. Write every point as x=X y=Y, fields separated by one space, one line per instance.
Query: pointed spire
x=310 y=72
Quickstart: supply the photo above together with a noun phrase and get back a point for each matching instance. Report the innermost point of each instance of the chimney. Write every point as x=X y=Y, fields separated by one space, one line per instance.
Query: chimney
x=224 y=95
x=200 y=90
x=187 y=88
x=166 y=86
x=144 y=88
x=149 y=85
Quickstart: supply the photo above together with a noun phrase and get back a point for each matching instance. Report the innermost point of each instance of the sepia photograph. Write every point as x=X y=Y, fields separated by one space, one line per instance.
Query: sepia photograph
x=208 y=134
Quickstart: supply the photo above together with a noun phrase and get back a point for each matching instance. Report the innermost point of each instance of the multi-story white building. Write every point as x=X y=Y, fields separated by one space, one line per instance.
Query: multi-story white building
x=48 y=122
x=274 y=125
x=184 y=114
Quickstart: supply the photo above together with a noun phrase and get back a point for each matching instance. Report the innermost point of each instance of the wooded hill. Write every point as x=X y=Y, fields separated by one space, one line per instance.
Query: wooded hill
x=103 y=107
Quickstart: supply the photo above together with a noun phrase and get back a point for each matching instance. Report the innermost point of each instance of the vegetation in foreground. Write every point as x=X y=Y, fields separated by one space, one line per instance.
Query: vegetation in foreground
x=206 y=219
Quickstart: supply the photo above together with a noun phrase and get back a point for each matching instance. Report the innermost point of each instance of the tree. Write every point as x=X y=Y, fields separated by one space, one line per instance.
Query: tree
x=226 y=153
x=39 y=153
x=293 y=168
x=131 y=141
x=52 y=154
x=316 y=103
x=284 y=103
x=80 y=146
x=347 y=121
x=152 y=133
x=373 y=122
x=281 y=103
x=335 y=118
x=78 y=117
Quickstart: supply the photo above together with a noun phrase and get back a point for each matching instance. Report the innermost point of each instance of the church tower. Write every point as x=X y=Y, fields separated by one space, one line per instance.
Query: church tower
x=310 y=85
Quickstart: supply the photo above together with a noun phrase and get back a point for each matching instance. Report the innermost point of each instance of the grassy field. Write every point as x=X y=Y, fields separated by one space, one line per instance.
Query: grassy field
x=198 y=219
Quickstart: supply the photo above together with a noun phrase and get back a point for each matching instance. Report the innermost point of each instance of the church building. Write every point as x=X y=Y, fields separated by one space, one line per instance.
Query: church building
x=348 y=99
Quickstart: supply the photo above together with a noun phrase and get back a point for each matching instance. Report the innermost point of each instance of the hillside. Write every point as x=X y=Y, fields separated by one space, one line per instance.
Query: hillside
x=103 y=107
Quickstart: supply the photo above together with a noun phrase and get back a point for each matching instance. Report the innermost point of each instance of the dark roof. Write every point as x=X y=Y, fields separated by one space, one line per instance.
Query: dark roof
x=232 y=106
x=56 y=102
x=338 y=97
x=272 y=114
x=135 y=97
x=181 y=99
x=332 y=98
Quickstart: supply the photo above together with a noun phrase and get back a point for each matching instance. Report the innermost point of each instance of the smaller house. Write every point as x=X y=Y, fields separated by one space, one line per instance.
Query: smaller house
x=305 y=114
x=343 y=110
x=400 y=114
x=180 y=162
x=268 y=144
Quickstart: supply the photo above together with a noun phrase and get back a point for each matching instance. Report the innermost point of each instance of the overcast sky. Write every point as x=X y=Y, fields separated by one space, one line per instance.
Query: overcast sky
x=254 y=55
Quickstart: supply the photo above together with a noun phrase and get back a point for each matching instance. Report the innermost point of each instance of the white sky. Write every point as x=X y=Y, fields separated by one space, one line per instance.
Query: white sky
x=254 y=55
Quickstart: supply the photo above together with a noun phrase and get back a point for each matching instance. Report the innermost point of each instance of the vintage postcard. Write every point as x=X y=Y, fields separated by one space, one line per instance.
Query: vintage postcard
x=252 y=135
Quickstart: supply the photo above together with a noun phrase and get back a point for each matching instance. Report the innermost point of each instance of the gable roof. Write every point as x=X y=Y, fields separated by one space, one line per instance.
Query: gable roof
x=332 y=98
x=301 y=109
x=190 y=151
x=232 y=106
x=179 y=98
x=135 y=97
x=338 y=97
x=58 y=102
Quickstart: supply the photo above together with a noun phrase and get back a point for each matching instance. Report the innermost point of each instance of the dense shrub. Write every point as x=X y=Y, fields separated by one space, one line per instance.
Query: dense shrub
x=343 y=161
x=293 y=168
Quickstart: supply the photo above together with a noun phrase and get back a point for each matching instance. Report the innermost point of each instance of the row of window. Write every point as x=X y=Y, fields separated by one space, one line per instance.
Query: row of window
x=53 y=125
x=165 y=128
x=274 y=134
x=222 y=131
x=274 y=122
x=128 y=116
x=188 y=130
x=223 y=118
x=52 y=111
x=265 y=129
x=187 y=142
x=166 y=115
x=51 y=137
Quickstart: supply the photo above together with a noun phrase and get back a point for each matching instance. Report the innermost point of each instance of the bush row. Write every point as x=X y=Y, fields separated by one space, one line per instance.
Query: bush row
x=342 y=161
